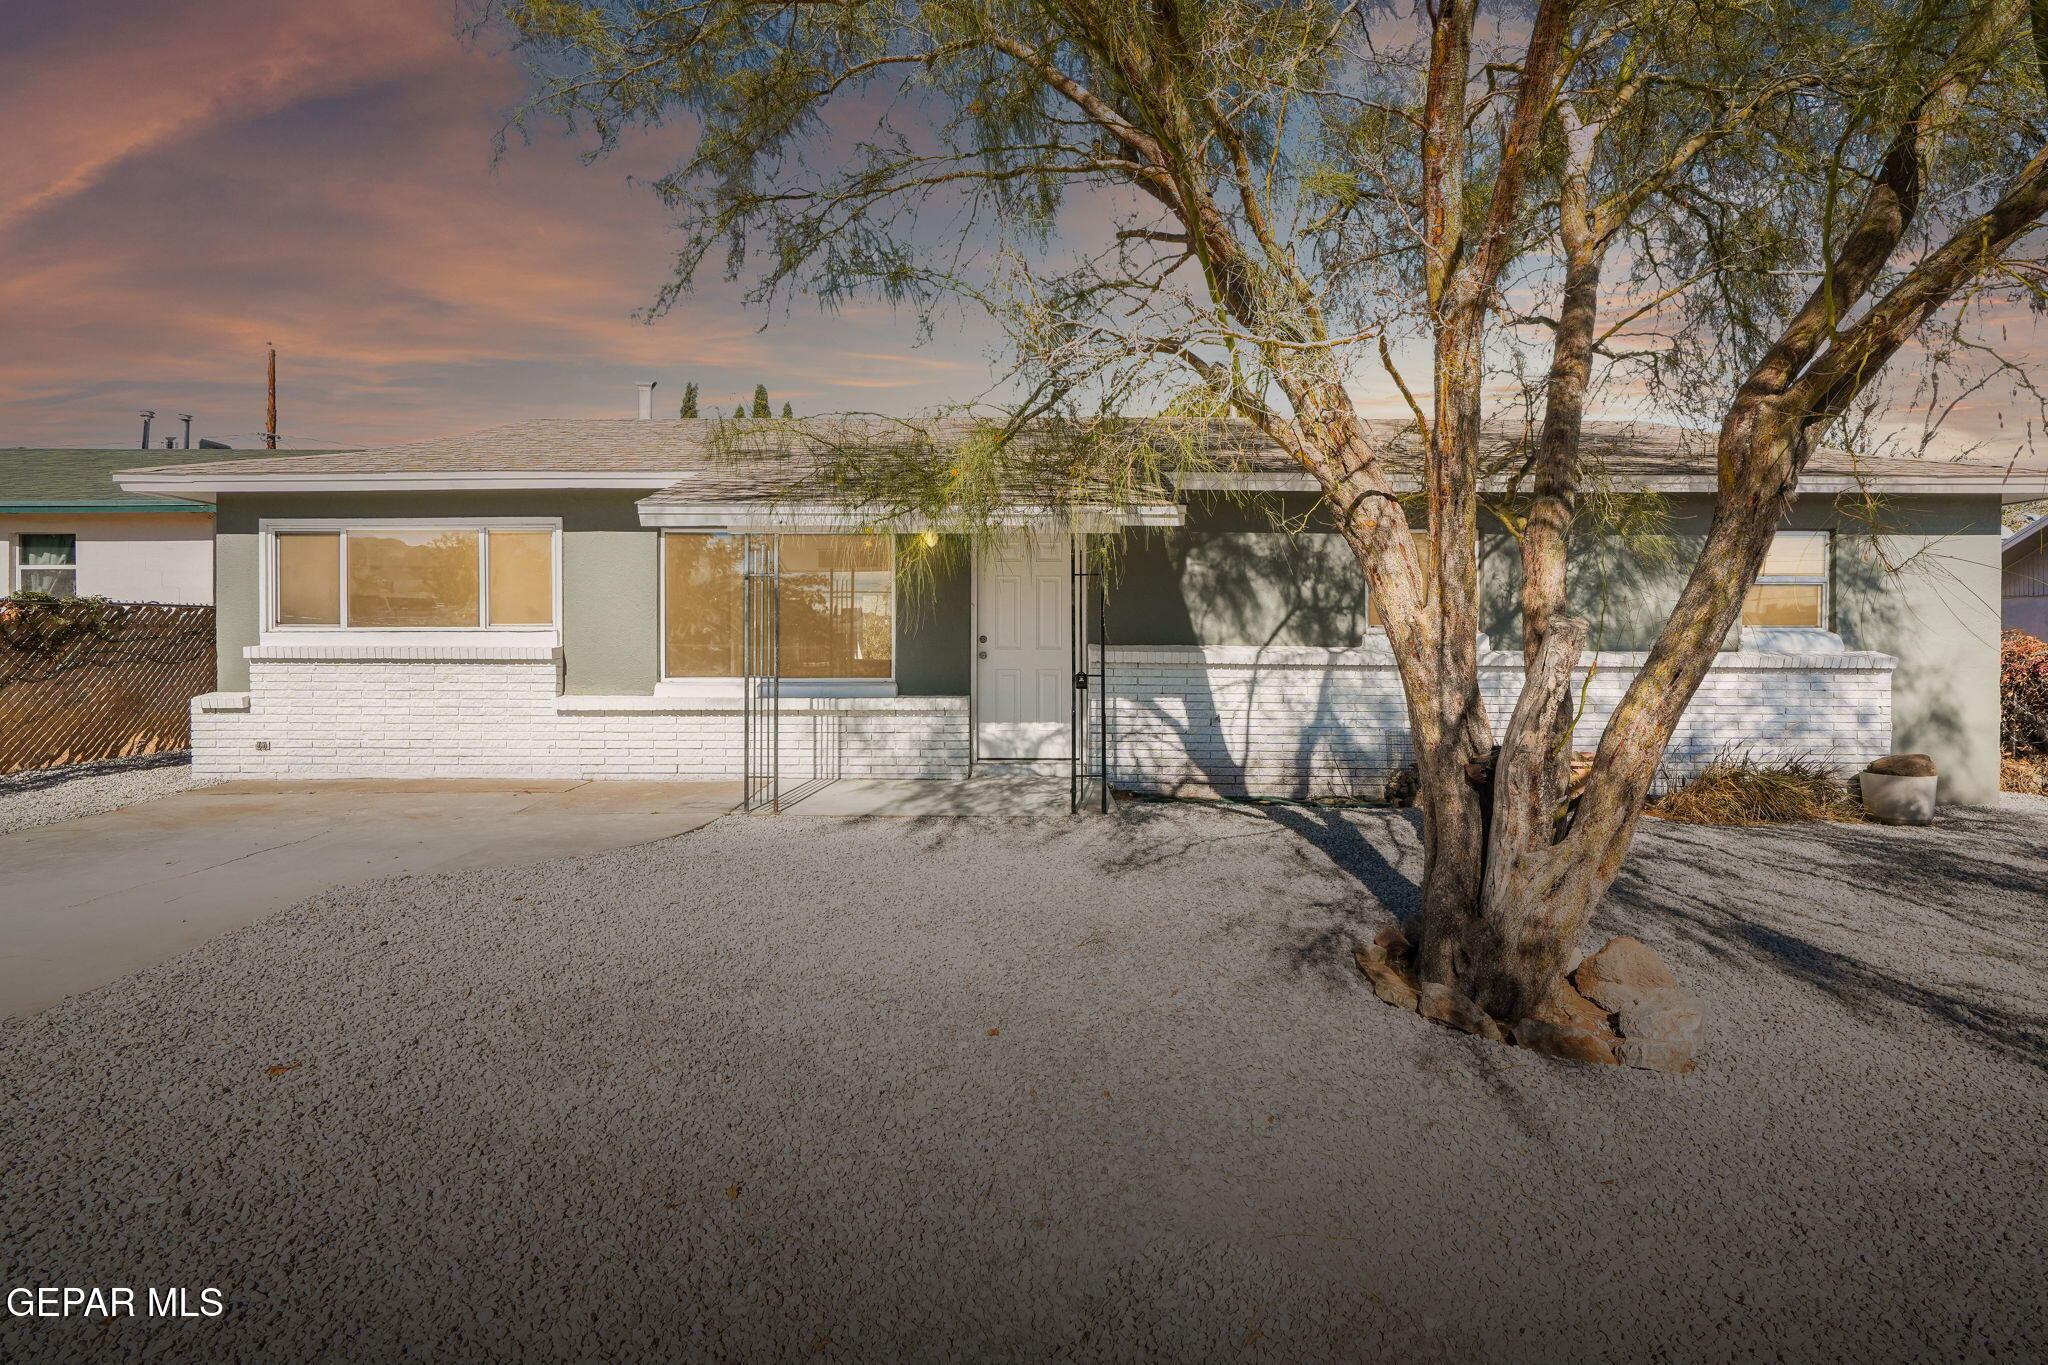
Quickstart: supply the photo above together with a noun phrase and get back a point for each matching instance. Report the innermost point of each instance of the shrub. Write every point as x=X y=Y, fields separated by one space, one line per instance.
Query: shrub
x=2022 y=694
x=38 y=623
x=1737 y=788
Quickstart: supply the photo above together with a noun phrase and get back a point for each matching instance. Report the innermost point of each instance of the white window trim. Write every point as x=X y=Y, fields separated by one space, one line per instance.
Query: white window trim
x=269 y=528
x=1823 y=580
x=16 y=566
x=685 y=685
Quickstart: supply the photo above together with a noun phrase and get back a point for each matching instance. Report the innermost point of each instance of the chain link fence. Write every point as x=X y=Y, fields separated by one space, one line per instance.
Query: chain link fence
x=84 y=679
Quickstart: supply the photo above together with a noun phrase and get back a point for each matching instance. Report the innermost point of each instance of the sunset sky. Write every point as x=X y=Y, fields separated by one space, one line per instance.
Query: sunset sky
x=182 y=182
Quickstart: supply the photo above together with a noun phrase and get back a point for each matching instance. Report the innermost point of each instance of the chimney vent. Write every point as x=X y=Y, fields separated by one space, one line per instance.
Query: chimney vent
x=647 y=400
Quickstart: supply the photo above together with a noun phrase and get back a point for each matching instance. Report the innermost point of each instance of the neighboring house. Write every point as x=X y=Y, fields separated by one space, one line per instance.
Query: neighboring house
x=67 y=528
x=572 y=598
x=2026 y=579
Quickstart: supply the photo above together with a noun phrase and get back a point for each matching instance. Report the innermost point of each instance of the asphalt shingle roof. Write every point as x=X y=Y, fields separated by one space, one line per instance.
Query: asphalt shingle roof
x=717 y=459
x=82 y=478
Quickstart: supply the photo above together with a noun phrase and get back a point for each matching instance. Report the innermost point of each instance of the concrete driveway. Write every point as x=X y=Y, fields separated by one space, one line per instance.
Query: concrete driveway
x=91 y=900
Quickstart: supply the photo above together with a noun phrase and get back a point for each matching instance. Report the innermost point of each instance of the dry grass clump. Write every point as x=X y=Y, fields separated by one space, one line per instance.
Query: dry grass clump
x=1740 y=789
x=2026 y=773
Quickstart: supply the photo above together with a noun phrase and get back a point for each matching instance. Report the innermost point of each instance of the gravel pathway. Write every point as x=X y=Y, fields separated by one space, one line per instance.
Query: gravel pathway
x=47 y=795
x=1067 y=1090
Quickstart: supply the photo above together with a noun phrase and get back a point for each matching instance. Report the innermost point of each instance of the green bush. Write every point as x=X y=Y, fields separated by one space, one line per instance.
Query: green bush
x=38 y=623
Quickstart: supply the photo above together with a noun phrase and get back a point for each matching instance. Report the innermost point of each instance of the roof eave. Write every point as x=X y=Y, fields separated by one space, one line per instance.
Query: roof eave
x=2021 y=542
x=2007 y=490
x=79 y=506
x=845 y=518
x=198 y=485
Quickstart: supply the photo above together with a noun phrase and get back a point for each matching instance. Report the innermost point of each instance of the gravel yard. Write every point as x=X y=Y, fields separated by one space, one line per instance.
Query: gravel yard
x=1033 y=1090
x=46 y=795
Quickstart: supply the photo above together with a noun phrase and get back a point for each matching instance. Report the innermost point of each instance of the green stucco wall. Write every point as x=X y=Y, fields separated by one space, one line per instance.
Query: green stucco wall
x=1920 y=581
x=611 y=574
x=934 y=618
x=1923 y=584
x=1268 y=573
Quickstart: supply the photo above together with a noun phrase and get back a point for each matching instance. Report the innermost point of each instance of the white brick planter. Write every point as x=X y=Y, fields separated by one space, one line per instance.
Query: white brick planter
x=1292 y=721
x=357 y=711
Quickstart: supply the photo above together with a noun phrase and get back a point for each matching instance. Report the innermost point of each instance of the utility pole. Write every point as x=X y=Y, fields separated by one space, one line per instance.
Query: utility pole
x=186 y=418
x=270 y=427
x=147 y=413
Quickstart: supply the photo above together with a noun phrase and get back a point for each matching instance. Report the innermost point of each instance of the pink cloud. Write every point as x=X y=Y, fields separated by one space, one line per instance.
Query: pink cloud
x=335 y=196
x=183 y=184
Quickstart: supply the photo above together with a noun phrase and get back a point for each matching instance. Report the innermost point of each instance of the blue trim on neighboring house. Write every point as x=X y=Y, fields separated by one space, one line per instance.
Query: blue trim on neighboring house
x=44 y=508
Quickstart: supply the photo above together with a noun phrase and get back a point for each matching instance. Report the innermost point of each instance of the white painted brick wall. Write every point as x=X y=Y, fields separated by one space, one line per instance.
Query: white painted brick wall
x=1280 y=721
x=1293 y=721
x=429 y=716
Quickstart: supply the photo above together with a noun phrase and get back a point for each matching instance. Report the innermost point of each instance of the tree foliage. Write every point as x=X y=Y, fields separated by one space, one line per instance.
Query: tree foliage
x=1233 y=214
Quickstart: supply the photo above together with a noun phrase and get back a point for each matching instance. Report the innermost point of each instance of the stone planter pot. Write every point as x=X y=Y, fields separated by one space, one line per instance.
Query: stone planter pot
x=1898 y=800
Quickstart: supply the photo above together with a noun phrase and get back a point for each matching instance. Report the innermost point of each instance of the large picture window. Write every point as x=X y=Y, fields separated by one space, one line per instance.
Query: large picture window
x=837 y=605
x=1792 y=589
x=414 y=577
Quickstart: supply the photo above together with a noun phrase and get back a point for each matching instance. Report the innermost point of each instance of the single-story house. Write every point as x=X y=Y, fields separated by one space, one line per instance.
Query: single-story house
x=2025 y=597
x=586 y=598
x=67 y=528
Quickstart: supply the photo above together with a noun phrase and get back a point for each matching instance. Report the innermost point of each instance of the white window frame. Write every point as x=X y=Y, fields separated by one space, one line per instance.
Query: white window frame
x=16 y=566
x=1823 y=580
x=686 y=684
x=268 y=529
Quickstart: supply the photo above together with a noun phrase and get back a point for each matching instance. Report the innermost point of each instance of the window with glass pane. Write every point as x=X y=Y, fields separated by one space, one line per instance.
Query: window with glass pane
x=837 y=607
x=701 y=595
x=309 y=579
x=49 y=563
x=1791 y=589
x=399 y=577
x=522 y=587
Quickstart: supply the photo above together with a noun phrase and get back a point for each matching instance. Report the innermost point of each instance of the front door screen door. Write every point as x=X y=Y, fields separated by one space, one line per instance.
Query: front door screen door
x=1024 y=656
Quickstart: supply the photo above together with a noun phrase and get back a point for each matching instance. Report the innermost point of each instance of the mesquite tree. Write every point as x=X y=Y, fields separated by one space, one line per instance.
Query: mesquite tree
x=1229 y=208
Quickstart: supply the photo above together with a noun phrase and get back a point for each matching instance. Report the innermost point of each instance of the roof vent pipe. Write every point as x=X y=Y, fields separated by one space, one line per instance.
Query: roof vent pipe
x=147 y=413
x=647 y=400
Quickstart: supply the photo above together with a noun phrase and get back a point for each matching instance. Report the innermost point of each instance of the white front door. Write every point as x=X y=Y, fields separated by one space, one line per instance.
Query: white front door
x=1024 y=656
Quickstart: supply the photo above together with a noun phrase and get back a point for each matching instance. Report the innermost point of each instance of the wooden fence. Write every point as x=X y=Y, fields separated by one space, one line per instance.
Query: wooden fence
x=120 y=687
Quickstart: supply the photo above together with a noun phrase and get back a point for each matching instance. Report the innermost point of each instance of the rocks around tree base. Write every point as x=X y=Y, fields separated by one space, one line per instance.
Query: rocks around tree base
x=1393 y=984
x=1392 y=978
x=1572 y=1043
x=1656 y=1054
x=1568 y=1007
x=1622 y=974
x=1621 y=1005
x=1446 y=1006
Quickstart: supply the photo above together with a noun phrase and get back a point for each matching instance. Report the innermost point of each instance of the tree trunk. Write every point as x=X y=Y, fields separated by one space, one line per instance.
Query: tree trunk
x=1514 y=869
